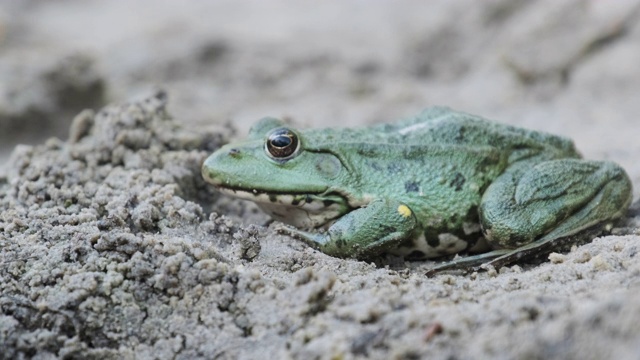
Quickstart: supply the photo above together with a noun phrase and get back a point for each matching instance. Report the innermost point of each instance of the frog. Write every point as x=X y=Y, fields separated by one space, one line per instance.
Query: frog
x=440 y=184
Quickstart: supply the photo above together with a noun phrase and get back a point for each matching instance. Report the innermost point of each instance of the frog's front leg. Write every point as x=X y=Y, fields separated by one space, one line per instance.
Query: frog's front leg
x=531 y=211
x=365 y=232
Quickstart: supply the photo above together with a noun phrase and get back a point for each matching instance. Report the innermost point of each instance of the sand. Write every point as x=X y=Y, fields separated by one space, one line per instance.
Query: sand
x=112 y=245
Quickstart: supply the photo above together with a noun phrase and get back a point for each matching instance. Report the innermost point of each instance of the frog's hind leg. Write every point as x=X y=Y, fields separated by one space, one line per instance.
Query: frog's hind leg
x=534 y=210
x=531 y=211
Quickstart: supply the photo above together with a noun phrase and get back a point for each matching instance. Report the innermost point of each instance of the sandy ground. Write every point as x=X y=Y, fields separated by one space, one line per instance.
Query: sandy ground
x=112 y=246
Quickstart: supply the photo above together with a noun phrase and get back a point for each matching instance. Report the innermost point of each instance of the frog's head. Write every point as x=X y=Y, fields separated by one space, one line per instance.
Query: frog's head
x=275 y=168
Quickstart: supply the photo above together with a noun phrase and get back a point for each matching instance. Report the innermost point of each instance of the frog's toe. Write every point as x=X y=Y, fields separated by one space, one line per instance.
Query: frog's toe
x=467 y=263
x=315 y=240
x=283 y=229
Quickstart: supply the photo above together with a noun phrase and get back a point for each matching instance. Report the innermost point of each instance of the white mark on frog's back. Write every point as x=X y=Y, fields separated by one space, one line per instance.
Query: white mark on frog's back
x=422 y=125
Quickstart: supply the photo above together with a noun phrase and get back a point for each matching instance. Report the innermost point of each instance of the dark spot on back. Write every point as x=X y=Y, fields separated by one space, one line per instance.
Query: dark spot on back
x=460 y=135
x=273 y=198
x=387 y=229
x=295 y=202
x=411 y=186
x=457 y=181
x=366 y=152
x=374 y=165
x=394 y=168
x=308 y=199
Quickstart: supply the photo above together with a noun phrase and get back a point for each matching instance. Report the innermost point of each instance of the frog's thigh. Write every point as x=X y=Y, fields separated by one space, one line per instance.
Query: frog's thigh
x=553 y=199
x=365 y=232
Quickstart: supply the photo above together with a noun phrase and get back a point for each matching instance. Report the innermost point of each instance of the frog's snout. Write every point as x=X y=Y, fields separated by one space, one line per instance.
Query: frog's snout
x=225 y=165
x=210 y=171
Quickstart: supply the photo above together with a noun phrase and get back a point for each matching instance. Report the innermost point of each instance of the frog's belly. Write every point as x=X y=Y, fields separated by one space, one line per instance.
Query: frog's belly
x=446 y=244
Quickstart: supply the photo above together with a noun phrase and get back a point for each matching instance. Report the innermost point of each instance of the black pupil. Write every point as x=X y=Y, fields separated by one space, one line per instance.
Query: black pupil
x=281 y=141
x=282 y=144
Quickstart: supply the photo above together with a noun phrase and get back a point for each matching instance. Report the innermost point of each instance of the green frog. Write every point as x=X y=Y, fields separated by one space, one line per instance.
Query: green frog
x=440 y=183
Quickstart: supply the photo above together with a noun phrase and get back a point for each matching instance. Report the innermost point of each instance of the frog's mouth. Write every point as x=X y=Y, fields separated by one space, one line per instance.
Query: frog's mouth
x=300 y=210
x=310 y=202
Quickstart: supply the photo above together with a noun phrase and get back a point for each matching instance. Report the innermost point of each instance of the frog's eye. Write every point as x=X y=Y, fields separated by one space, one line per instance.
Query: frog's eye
x=282 y=144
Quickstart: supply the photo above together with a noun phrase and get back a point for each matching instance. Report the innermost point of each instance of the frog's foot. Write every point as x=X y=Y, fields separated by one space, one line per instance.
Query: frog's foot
x=547 y=245
x=504 y=257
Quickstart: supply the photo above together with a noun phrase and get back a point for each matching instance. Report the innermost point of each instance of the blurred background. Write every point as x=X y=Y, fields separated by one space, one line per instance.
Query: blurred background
x=569 y=67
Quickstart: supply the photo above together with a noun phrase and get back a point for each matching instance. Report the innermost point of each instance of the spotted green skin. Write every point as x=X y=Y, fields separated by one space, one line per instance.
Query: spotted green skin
x=439 y=183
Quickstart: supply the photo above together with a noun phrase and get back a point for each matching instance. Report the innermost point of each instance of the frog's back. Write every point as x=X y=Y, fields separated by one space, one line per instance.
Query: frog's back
x=446 y=126
x=441 y=125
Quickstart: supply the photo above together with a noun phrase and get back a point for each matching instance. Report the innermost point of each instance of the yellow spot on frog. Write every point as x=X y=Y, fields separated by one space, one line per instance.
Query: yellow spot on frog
x=404 y=210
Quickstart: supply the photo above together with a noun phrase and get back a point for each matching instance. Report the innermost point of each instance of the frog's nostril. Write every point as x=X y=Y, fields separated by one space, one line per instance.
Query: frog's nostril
x=234 y=152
